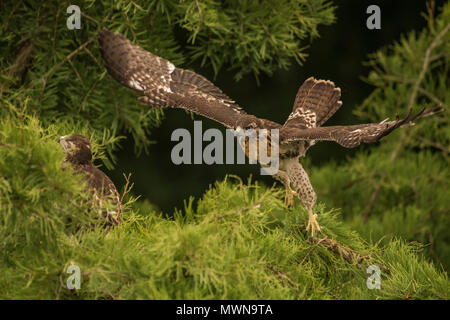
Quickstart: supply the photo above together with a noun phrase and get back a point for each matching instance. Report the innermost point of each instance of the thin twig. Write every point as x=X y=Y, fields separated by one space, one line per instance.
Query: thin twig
x=348 y=185
x=284 y=277
x=431 y=96
x=5 y=27
x=70 y=55
x=412 y=99
x=76 y=71
x=92 y=19
x=433 y=144
x=311 y=249
x=131 y=29
x=67 y=58
x=56 y=26
x=264 y=27
x=348 y=254
x=426 y=62
x=21 y=63
x=428 y=94
x=87 y=95
x=199 y=10
x=94 y=58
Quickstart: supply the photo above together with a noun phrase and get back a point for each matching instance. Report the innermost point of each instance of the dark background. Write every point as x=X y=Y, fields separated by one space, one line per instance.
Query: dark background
x=338 y=55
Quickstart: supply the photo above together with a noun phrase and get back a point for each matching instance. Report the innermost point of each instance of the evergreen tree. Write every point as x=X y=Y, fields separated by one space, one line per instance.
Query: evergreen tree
x=400 y=188
x=239 y=241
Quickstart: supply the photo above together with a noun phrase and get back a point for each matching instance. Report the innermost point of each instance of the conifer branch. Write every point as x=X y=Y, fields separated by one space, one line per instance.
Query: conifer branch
x=405 y=137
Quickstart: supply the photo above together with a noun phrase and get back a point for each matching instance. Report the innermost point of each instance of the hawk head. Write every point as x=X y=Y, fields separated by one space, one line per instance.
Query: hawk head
x=77 y=148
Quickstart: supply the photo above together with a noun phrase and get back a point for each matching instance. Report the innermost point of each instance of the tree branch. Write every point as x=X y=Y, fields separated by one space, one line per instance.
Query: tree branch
x=403 y=141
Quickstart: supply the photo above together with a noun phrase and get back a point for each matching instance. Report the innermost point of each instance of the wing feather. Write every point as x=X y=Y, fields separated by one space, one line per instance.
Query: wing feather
x=162 y=84
x=351 y=136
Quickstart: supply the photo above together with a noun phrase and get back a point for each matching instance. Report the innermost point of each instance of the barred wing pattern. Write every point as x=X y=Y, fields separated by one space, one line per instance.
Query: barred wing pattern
x=162 y=84
x=352 y=136
x=316 y=101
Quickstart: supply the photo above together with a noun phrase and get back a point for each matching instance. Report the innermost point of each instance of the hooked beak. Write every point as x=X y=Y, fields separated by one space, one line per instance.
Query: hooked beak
x=238 y=131
x=62 y=141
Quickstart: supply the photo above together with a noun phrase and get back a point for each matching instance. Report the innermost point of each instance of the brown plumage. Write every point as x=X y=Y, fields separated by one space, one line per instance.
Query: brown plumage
x=164 y=85
x=79 y=156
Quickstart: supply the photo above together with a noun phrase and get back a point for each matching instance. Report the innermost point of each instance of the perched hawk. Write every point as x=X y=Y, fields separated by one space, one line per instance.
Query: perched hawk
x=164 y=85
x=79 y=156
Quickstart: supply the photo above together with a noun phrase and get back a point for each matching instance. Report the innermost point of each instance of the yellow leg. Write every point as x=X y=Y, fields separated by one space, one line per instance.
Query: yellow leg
x=289 y=196
x=313 y=225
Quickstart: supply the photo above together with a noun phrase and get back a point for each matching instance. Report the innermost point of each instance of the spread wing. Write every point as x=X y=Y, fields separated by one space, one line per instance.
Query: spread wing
x=162 y=84
x=316 y=101
x=351 y=136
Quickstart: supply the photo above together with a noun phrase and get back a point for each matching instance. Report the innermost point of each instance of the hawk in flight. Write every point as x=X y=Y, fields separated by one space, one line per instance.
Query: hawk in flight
x=164 y=85
x=79 y=156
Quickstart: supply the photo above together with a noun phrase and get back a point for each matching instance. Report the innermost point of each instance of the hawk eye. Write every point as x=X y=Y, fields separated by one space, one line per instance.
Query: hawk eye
x=250 y=126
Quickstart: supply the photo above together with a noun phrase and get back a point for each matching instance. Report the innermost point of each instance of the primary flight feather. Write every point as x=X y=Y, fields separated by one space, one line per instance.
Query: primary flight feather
x=164 y=85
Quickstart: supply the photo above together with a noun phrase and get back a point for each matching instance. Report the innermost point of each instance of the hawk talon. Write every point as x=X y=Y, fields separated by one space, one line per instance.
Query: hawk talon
x=289 y=197
x=313 y=224
x=165 y=85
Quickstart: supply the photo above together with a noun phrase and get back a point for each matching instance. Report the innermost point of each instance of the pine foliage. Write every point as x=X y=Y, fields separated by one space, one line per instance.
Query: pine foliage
x=59 y=72
x=400 y=187
x=238 y=241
